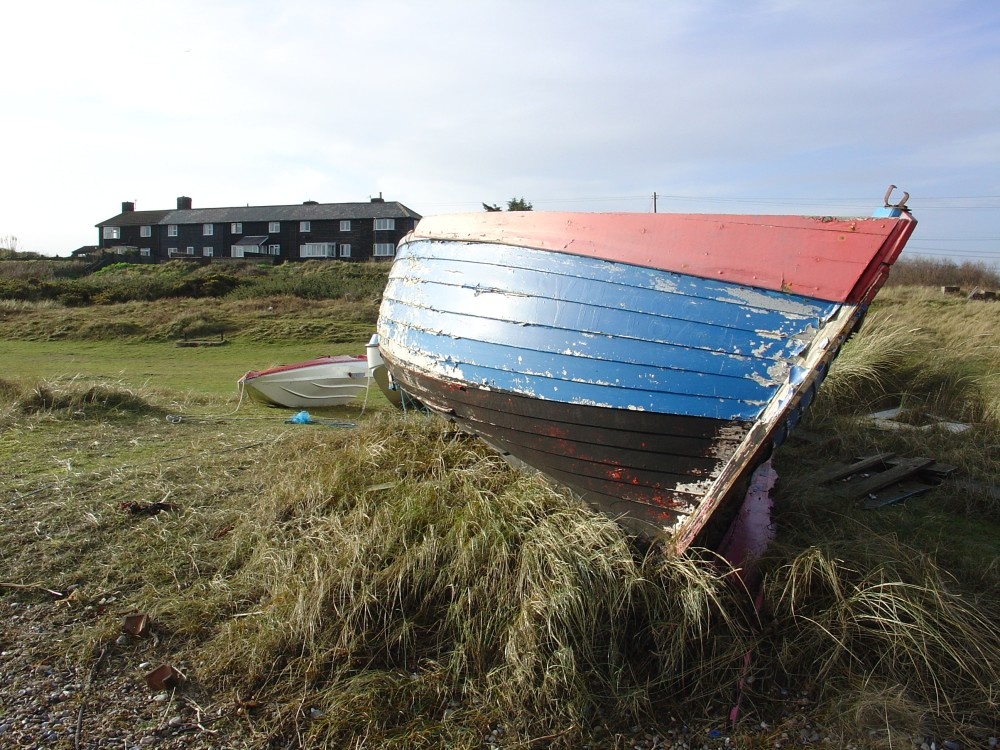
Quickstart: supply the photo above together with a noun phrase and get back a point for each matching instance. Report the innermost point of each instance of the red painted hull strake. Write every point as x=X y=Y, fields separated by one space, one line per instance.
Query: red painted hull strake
x=839 y=260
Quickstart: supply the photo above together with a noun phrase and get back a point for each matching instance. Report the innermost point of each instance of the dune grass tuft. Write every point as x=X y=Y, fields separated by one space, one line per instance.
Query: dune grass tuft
x=897 y=624
x=93 y=401
x=421 y=557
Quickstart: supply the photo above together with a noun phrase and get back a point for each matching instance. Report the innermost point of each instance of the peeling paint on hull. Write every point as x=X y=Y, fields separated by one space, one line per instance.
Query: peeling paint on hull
x=651 y=392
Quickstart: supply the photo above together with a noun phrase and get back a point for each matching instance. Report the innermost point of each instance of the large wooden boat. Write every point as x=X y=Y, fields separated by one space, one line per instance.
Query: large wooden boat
x=647 y=361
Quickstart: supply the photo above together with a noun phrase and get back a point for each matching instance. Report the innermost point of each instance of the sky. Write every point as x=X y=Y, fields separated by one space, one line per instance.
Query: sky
x=719 y=106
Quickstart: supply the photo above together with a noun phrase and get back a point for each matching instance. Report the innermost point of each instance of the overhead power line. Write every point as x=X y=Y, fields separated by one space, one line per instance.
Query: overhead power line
x=953 y=251
x=925 y=203
x=961 y=239
x=963 y=258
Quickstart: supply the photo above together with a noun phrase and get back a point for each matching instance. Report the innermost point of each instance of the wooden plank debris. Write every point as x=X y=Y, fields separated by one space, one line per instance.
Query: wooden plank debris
x=936 y=470
x=888 y=419
x=896 y=493
x=838 y=471
x=883 y=478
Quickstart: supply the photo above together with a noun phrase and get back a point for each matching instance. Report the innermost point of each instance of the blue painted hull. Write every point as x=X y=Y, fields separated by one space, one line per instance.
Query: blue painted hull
x=652 y=394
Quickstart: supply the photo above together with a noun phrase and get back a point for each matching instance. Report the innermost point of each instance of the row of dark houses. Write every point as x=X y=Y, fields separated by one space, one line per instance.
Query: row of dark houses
x=348 y=231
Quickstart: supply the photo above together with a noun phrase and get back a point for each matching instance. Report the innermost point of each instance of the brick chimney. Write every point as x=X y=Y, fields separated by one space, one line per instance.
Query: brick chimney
x=127 y=206
x=183 y=203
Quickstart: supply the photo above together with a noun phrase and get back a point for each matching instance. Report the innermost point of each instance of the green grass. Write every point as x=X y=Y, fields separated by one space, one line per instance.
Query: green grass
x=136 y=344
x=211 y=370
x=68 y=283
x=283 y=319
x=415 y=590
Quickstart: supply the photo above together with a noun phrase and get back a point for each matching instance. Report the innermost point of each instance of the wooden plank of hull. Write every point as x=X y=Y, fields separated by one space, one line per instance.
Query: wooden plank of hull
x=686 y=375
x=619 y=430
x=652 y=470
x=484 y=269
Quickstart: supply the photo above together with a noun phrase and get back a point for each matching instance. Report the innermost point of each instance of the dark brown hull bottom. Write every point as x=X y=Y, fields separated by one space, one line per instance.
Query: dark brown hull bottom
x=649 y=471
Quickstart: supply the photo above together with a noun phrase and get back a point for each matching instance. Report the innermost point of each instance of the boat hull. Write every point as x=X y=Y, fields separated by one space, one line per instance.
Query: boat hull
x=317 y=383
x=651 y=391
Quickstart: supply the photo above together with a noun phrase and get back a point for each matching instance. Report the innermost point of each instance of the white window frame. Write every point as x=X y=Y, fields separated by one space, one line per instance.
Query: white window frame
x=384 y=224
x=274 y=249
x=171 y=251
x=383 y=250
x=345 y=250
x=112 y=233
x=274 y=226
x=236 y=251
x=171 y=230
x=146 y=231
x=145 y=252
x=345 y=225
x=236 y=227
x=189 y=250
x=305 y=226
x=207 y=230
x=318 y=250
x=207 y=252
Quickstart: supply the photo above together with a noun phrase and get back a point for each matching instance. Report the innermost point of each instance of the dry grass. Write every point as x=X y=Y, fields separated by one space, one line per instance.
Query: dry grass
x=396 y=584
x=924 y=348
x=398 y=559
x=895 y=622
x=937 y=357
x=875 y=363
x=449 y=580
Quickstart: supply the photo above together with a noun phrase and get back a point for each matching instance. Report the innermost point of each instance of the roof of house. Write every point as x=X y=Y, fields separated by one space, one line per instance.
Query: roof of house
x=135 y=218
x=309 y=211
x=254 y=240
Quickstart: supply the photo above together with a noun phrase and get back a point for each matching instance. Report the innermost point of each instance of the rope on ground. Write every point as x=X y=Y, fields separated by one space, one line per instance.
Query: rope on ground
x=368 y=387
x=178 y=418
x=409 y=403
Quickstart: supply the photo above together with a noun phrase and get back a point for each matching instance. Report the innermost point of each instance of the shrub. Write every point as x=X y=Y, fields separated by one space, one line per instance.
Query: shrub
x=212 y=285
x=198 y=325
x=936 y=272
x=75 y=297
